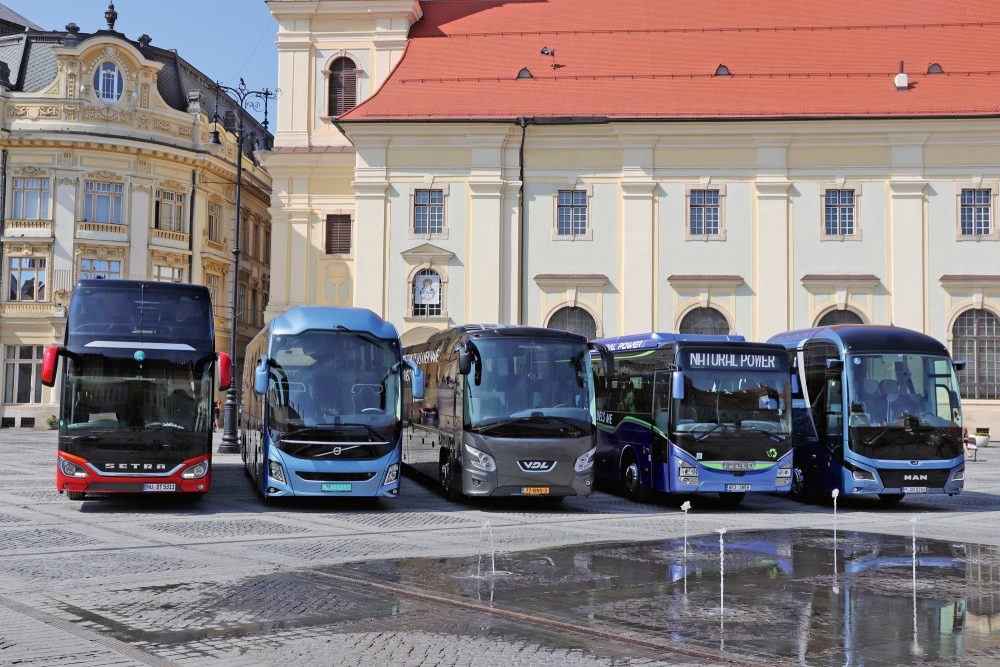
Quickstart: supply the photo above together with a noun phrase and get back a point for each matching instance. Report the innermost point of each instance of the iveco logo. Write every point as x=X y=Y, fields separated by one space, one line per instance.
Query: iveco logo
x=914 y=478
x=536 y=466
x=737 y=465
x=134 y=466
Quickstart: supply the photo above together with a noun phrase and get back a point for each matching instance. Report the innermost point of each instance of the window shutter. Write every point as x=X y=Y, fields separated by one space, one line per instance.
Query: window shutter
x=338 y=234
x=343 y=86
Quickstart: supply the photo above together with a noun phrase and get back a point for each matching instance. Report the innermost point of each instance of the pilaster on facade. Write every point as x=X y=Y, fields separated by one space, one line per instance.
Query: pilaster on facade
x=906 y=261
x=772 y=276
x=371 y=244
x=638 y=247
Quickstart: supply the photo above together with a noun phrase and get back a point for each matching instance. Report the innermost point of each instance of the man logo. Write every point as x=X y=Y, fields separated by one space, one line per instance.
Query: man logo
x=914 y=478
x=536 y=466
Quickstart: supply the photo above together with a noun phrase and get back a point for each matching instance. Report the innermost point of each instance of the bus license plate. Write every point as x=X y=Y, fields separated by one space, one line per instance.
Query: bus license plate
x=339 y=487
x=914 y=489
x=159 y=487
x=737 y=488
x=534 y=490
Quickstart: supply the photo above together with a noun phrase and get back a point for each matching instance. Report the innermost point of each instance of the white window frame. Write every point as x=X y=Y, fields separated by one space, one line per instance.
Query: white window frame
x=113 y=191
x=163 y=273
x=25 y=188
x=992 y=235
x=688 y=193
x=413 y=233
x=20 y=270
x=829 y=187
x=588 y=233
x=11 y=383
x=170 y=206
x=93 y=271
x=109 y=83
x=215 y=222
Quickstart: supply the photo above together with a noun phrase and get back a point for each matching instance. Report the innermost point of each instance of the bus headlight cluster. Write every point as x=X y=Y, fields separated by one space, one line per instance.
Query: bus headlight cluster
x=480 y=460
x=71 y=469
x=860 y=475
x=585 y=461
x=391 y=473
x=276 y=472
x=197 y=471
x=688 y=474
x=959 y=475
x=784 y=474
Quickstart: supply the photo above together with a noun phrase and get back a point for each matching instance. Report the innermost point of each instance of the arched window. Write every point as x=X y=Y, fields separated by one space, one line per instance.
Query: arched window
x=108 y=83
x=976 y=340
x=426 y=293
x=574 y=319
x=343 y=86
x=839 y=317
x=705 y=321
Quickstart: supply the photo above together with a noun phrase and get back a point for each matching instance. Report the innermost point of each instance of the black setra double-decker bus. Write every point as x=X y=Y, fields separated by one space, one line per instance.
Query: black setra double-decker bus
x=137 y=388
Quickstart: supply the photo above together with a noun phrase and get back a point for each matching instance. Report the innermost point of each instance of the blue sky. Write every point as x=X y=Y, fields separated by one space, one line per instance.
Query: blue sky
x=225 y=39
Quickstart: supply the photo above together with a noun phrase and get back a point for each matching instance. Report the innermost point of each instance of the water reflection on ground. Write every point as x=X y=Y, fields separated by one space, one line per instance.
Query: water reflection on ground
x=801 y=595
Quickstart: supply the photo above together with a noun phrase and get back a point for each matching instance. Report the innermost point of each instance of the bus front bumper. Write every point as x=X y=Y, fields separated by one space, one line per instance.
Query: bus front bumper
x=862 y=479
x=95 y=482
x=369 y=478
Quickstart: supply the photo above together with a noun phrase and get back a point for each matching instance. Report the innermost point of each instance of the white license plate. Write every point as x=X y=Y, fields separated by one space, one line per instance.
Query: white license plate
x=737 y=488
x=914 y=489
x=159 y=487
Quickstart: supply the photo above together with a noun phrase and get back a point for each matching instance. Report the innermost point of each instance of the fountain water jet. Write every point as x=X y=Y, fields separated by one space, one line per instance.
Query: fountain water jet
x=722 y=588
x=834 y=494
x=487 y=528
x=915 y=646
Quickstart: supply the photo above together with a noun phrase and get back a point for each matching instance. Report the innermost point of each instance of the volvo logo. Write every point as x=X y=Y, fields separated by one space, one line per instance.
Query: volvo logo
x=536 y=466
x=133 y=466
x=337 y=451
x=914 y=478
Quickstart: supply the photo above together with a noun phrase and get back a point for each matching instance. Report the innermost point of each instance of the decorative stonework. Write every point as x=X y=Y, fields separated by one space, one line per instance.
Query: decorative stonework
x=136 y=187
x=29 y=171
x=142 y=121
x=167 y=259
x=171 y=184
x=71 y=85
x=17 y=111
x=109 y=114
x=104 y=175
x=71 y=111
x=66 y=180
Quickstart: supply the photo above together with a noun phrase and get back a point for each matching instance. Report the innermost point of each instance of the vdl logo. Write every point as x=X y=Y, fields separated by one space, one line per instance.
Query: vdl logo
x=536 y=466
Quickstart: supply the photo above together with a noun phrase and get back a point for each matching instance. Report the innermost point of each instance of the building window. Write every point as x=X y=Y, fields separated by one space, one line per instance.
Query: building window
x=976 y=340
x=169 y=213
x=577 y=320
x=215 y=223
x=22 y=374
x=168 y=274
x=976 y=216
x=839 y=213
x=103 y=202
x=27 y=279
x=343 y=87
x=571 y=213
x=107 y=269
x=108 y=83
x=338 y=234
x=213 y=282
x=267 y=246
x=428 y=211
x=30 y=199
x=703 y=213
x=427 y=293
x=835 y=317
x=241 y=304
x=255 y=242
x=705 y=321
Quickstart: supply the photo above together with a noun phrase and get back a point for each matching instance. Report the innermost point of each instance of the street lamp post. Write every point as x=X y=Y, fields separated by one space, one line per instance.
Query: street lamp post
x=246 y=99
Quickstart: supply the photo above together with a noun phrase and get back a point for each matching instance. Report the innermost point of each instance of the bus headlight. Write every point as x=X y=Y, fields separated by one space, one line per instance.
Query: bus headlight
x=71 y=469
x=276 y=472
x=784 y=474
x=959 y=475
x=480 y=460
x=860 y=475
x=197 y=471
x=688 y=474
x=391 y=474
x=586 y=461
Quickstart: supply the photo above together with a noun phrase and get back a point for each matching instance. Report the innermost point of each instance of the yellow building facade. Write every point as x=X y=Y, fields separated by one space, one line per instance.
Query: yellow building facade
x=620 y=227
x=107 y=173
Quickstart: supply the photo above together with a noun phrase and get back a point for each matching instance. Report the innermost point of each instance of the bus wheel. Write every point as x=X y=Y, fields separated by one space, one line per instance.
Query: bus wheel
x=444 y=477
x=631 y=484
x=76 y=495
x=798 y=490
x=732 y=499
x=890 y=498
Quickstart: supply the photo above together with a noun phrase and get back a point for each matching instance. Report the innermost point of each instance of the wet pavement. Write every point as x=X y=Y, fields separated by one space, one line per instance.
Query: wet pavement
x=596 y=581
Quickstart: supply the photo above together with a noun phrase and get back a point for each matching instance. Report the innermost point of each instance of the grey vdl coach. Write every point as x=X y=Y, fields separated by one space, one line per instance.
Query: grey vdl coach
x=507 y=411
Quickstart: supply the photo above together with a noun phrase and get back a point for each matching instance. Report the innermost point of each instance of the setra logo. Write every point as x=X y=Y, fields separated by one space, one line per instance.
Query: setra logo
x=131 y=467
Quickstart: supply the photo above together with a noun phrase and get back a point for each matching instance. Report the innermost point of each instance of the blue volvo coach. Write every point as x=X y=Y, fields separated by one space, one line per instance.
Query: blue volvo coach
x=322 y=404
x=877 y=412
x=694 y=414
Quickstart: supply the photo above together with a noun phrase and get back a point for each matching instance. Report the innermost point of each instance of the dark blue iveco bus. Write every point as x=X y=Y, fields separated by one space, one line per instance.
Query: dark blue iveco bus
x=694 y=414
x=877 y=412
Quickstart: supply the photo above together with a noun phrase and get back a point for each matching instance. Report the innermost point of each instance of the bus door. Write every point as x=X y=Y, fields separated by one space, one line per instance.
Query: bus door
x=662 y=396
x=825 y=394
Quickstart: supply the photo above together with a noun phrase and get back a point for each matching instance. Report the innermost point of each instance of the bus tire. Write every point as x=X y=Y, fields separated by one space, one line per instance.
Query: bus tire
x=732 y=499
x=76 y=495
x=445 y=477
x=631 y=482
x=798 y=490
x=891 y=498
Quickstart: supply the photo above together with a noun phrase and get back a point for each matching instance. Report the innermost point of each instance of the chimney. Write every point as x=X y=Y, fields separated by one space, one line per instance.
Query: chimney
x=901 y=81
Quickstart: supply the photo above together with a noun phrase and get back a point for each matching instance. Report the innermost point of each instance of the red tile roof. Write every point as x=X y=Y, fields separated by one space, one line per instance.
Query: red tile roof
x=655 y=59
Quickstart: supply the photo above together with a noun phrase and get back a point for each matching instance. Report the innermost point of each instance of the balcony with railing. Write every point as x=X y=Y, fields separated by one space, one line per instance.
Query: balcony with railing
x=169 y=239
x=27 y=229
x=101 y=231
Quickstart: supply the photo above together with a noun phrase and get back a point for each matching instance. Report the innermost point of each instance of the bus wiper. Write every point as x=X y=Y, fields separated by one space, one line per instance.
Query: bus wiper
x=701 y=435
x=482 y=428
x=363 y=335
x=885 y=429
x=378 y=436
x=774 y=435
x=165 y=425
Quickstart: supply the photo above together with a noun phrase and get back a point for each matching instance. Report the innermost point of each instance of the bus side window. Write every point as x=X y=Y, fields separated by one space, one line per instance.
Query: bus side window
x=818 y=389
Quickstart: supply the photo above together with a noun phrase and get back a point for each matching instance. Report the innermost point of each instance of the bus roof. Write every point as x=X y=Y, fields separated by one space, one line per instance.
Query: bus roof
x=645 y=341
x=865 y=338
x=492 y=330
x=302 y=318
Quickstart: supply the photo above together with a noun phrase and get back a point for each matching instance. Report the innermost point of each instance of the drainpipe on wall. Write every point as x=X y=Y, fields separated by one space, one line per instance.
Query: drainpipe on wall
x=3 y=200
x=523 y=122
x=194 y=184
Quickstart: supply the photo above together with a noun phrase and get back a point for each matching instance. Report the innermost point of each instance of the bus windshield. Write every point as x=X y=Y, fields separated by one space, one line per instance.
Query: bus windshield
x=722 y=401
x=120 y=393
x=903 y=406
x=345 y=379
x=530 y=387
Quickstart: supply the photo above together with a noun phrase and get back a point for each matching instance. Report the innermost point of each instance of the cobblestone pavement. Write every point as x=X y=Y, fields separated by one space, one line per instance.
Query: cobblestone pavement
x=231 y=580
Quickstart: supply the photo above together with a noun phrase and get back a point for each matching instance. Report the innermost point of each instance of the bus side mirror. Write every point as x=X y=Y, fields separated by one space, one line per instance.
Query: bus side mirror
x=607 y=359
x=464 y=361
x=260 y=375
x=960 y=364
x=795 y=384
x=677 y=386
x=416 y=381
x=225 y=371
x=50 y=365
x=834 y=366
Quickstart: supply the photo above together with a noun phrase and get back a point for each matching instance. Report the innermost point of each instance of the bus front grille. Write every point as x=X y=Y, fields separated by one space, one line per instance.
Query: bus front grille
x=335 y=476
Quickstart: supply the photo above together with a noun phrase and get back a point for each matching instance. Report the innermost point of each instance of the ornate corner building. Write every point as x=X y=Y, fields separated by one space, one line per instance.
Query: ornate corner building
x=106 y=172
x=640 y=165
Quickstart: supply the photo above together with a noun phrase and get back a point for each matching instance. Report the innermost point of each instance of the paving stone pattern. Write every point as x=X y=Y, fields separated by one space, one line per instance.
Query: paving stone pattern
x=232 y=580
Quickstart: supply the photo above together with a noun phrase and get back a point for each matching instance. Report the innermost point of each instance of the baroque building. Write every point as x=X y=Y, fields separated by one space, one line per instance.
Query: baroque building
x=107 y=172
x=631 y=166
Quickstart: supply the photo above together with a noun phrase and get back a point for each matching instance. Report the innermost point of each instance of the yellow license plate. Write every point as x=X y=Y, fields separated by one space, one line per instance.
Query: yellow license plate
x=534 y=490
